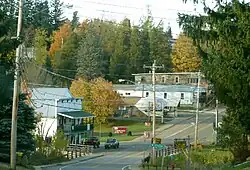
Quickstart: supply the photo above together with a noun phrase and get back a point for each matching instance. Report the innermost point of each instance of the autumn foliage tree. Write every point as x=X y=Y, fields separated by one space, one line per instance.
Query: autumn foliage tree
x=184 y=56
x=59 y=38
x=99 y=97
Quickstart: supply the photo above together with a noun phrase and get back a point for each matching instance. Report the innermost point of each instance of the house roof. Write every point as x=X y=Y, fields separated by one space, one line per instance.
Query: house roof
x=124 y=86
x=130 y=100
x=50 y=93
x=76 y=114
x=163 y=74
x=170 y=88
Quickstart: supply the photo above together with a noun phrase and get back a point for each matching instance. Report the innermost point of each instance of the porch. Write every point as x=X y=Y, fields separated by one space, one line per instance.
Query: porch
x=76 y=125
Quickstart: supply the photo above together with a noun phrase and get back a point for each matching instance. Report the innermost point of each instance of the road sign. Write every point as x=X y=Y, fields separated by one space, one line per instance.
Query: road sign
x=158 y=146
x=156 y=140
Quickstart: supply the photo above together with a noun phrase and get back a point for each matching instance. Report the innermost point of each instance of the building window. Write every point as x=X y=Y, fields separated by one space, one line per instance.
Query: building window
x=165 y=95
x=193 y=80
x=163 y=79
x=176 y=79
x=182 y=95
x=147 y=94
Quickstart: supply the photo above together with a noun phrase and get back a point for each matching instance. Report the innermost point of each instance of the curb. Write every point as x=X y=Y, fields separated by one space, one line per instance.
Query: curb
x=67 y=163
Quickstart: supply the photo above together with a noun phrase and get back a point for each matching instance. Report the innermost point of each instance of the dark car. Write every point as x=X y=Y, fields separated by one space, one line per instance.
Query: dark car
x=94 y=141
x=111 y=143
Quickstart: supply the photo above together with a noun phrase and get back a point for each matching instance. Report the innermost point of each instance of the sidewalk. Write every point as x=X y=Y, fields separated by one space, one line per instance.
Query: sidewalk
x=73 y=161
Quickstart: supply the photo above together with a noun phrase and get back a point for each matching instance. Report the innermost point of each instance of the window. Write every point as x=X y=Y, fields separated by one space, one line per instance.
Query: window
x=163 y=79
x=193 y=80
x=147 y=94
x=176 y=79
x=128 y=94
x=182 y=95
x=165 y=95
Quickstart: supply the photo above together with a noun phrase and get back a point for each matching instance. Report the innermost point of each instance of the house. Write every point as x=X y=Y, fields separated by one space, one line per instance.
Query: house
x=167 y=96
x=176 y=78
x=77 y=125
x=59 y=109
x=184 y=93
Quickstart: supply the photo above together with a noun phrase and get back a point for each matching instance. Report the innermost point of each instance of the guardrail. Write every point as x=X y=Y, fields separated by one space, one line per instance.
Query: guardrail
x=128 y=167
x=74 y=151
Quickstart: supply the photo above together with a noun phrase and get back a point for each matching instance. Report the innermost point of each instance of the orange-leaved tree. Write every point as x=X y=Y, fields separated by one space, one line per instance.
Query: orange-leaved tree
x=184 y=55
x=59 y=37
x=99 y=97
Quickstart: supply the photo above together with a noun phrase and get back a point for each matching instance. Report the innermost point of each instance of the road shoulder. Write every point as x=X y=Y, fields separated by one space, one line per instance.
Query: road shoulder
x=73 y=161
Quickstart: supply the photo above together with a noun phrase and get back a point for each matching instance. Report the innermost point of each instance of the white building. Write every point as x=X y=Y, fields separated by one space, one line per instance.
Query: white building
x=166 y=95
x=49 y=102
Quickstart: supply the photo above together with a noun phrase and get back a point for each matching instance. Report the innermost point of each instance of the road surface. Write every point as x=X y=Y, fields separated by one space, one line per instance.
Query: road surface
x=131 y=153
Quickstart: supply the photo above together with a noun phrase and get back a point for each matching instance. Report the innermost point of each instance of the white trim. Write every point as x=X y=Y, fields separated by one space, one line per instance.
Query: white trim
x=73 y=117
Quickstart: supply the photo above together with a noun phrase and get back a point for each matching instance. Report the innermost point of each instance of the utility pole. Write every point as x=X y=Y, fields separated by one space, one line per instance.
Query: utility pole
x=15 y=94
x=189 y=154
x=153 y=67
x=197 y=111
x=216 y=119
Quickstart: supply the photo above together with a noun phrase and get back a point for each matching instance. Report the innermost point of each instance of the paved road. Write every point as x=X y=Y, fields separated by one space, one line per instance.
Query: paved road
x=131 y=153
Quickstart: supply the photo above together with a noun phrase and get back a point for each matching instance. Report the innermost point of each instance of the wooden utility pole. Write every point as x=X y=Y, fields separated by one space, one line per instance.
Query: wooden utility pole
x=153 y=67
x=216 y=120
x=15 y=94
x=197 y=111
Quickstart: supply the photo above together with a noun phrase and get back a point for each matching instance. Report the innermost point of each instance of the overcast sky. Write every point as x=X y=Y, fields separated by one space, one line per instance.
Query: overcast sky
x=165 y=10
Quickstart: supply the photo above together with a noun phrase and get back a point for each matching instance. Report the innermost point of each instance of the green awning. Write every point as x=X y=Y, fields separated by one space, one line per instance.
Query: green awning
x=76 y=114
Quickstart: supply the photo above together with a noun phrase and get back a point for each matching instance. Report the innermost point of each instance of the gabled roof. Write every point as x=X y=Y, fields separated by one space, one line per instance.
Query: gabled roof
x=76 y=114
x=50 y=93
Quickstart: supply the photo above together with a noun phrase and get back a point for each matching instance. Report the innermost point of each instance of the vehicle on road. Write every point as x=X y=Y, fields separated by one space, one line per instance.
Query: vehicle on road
x=94 y=141
x=111 y=143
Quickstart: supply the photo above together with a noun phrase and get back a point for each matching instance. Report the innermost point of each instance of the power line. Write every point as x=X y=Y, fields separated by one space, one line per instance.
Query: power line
x=125 y=6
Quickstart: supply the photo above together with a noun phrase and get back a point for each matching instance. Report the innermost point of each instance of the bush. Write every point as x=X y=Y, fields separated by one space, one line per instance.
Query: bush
x=129 y=133
x=110 y=134
x=41 y=159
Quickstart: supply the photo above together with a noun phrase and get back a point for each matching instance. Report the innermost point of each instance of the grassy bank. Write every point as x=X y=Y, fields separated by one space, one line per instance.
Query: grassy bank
x=208 y=157
x=136 y=127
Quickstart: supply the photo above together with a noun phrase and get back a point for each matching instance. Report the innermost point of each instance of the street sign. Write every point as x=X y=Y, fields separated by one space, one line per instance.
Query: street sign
x=158 y=146
x=156 y=140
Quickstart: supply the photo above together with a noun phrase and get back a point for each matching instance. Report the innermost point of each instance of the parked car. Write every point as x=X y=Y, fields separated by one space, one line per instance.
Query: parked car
x=111 y=143
x=94 y=141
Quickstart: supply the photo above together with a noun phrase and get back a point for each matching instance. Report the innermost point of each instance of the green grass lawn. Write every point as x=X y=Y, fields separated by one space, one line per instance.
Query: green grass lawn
x=136 y=127
x=4 y=166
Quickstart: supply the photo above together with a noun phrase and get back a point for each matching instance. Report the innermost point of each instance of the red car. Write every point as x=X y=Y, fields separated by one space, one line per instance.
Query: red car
x=94 y=141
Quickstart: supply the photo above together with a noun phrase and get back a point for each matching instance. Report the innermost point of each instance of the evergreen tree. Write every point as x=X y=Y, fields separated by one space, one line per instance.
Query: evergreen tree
x=90 y=63
x=75 y=21
x=225 y=51
x=136 y=58
x=160 y=49
x=26 y=124
x=57 y=14
x=66 y=57
x=120 y=57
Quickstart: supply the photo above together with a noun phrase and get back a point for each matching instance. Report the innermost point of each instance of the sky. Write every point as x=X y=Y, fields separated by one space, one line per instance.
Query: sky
x=165 y=10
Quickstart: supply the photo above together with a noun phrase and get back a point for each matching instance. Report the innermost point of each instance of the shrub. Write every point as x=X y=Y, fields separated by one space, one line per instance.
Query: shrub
x=110 y=134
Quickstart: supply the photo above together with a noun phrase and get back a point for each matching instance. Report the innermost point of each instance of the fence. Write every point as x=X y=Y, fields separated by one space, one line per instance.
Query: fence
x=171 y=150
x=75 y=151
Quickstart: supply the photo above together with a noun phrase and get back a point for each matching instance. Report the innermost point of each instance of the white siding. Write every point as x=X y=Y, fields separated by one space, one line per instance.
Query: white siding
x=47 y=127
x=67 y=105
